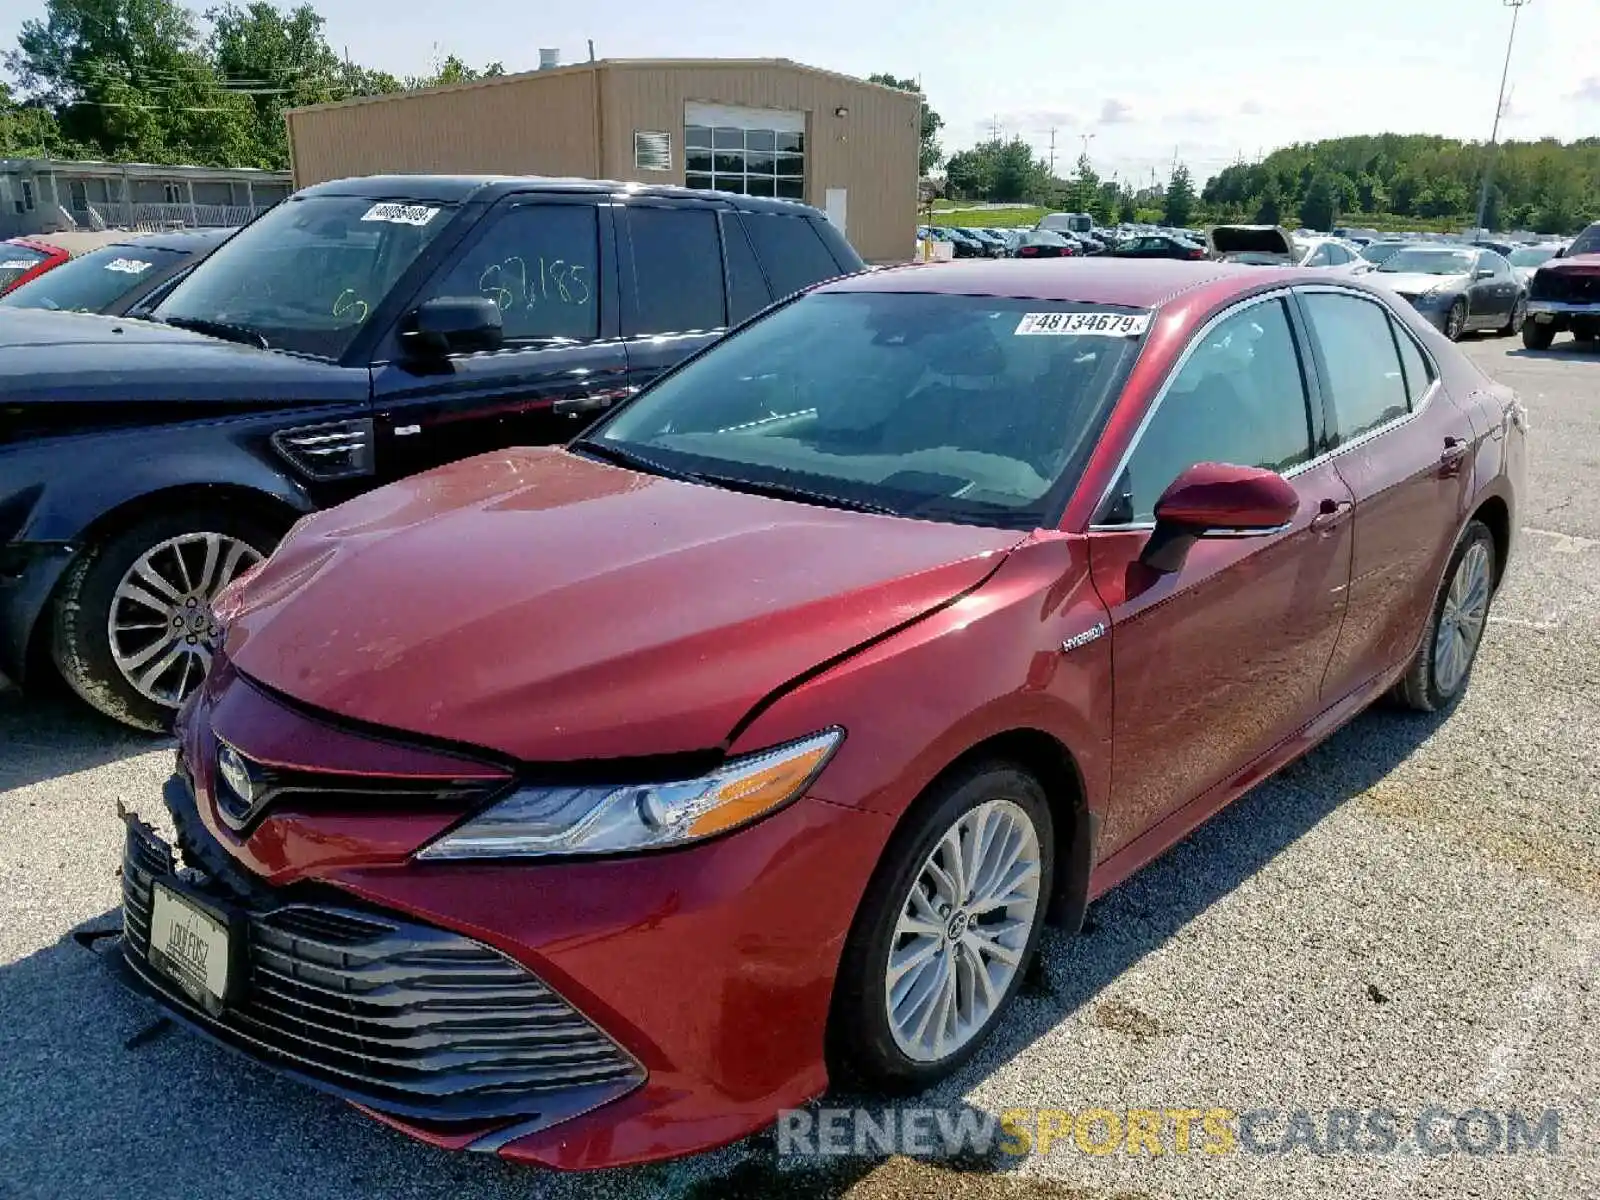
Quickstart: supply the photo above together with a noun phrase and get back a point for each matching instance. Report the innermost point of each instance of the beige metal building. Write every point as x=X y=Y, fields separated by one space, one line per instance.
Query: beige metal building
x=766 y=127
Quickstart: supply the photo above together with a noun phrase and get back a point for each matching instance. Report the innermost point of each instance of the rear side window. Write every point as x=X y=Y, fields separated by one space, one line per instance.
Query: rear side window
x=677 y=271
x=1239 y=398
x=1418 y=372
x=747 y=290
x=791 y=250
x=1358 y=352
x=539 y=263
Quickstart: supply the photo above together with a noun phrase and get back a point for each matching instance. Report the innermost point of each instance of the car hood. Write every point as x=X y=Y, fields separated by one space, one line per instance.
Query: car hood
x=1257 y=239
x=1576 y=264
x=1417 y=283
x=51 y=357
x=554 y=608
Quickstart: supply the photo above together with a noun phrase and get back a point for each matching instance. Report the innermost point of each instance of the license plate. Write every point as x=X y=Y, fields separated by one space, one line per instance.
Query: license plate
x=189 y=946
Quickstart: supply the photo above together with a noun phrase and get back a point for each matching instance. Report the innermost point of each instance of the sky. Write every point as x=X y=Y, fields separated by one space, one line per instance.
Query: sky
x=1145 y=82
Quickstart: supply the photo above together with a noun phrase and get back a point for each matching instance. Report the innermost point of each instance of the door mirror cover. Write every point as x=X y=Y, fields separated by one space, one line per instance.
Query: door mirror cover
x=452 y=325
x=1217 y=498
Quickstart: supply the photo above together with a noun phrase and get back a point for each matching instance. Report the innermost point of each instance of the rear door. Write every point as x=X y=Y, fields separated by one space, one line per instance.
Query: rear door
x=548 y=261
x=1405 y=450
x=1500 y=288
x=674 y=281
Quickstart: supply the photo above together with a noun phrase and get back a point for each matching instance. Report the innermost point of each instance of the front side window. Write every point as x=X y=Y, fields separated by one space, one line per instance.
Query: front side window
x=677 y=270
x=94 y=281
x=1239 y=398
x=539 y=263
x=306 y=276
x=1359 y=355
x=962 y=408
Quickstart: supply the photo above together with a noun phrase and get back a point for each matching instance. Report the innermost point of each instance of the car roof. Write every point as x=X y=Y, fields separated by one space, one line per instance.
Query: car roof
x=1130 y=282
x=185 y=240
x=458 y=189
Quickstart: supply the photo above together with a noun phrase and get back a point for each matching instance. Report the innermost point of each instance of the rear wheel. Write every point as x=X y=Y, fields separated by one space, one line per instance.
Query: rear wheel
x=1586 y=331
x=133 y=630
x=1455 y=321
x=1519 y=318
x=1538 y=337
x=945 y=932
x=1438 y=674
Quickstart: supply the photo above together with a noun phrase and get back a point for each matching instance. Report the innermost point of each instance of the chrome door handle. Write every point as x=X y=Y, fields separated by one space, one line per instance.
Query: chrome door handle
x=1331 y=513
x=1455 y=450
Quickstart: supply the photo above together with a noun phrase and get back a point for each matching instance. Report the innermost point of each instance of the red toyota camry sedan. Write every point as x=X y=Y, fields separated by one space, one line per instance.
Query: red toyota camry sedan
x=589 y=805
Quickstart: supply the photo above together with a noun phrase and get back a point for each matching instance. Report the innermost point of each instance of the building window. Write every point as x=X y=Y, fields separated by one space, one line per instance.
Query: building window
x=752 y=162
x=172 y=193
x=652 y=151
x=27 y=195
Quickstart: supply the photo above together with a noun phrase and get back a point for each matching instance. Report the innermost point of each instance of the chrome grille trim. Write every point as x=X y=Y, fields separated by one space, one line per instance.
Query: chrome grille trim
x=406 y=1018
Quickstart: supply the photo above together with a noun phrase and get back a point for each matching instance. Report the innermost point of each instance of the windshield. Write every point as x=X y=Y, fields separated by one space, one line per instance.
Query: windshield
x=1587 y=242
x=306 y=276
x=1381 y=252
x=1532 y=256
x=94 y=281
x=1412 y=261
x=16 y=261
x=962 y=408
x=1043 y=237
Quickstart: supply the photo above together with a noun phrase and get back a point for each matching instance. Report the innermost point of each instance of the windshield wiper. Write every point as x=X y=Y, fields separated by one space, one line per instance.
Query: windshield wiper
x=611 y=452
x=220 y=329
x=788 y=491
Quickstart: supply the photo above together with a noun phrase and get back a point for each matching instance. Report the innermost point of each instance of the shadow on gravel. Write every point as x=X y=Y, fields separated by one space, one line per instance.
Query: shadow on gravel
x=1565 y=351
x=98 y=1099
x=46 y=736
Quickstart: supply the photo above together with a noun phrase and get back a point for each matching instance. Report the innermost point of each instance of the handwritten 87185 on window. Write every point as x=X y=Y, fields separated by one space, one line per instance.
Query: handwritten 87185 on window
x=512 y=283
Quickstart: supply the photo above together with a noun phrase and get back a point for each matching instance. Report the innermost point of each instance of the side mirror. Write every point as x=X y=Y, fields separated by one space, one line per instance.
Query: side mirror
x=1560 y=252
x=452 y=325
x=1216 y=498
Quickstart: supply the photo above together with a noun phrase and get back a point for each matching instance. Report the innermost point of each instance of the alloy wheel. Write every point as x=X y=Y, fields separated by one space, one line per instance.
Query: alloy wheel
x=963 y=931
x=1519 y=317
x=161 y=628
x=1455 y=321
x=1461 y=620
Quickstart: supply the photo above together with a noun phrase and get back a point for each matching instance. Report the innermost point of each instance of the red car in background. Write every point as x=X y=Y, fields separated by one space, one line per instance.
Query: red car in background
x=590 y=805
x=22 y=259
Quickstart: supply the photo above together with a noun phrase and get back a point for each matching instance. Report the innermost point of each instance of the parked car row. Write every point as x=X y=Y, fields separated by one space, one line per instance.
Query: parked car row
x=119 y=278
x=486 y=757
x=360 y=333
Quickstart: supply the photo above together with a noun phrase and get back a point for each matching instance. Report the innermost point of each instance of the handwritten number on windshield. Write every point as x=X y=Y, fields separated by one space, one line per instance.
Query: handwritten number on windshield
x=347 y=301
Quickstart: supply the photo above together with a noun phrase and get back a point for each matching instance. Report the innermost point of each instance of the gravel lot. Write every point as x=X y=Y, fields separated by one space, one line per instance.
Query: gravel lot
x=1410 y=917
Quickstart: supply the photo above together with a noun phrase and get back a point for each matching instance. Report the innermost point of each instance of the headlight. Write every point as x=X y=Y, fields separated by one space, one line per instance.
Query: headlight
x=1436 y=299
x=606 y=819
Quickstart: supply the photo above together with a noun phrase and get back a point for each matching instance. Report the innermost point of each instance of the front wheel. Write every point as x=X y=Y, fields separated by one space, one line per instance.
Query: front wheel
x=133 y=630
x=1455 y=321
x=1438 y=674
x=1538 y=337
x=945 y=932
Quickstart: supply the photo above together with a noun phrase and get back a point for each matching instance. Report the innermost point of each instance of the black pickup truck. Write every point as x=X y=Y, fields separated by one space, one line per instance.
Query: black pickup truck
x=361 y=331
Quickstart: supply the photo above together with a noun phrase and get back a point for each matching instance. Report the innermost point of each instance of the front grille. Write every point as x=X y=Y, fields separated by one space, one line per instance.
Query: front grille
x=1566 y=286
x=406 y=1018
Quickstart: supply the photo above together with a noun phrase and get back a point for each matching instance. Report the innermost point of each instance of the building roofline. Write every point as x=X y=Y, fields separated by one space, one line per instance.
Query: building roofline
x=33 y=163
x=695 y=64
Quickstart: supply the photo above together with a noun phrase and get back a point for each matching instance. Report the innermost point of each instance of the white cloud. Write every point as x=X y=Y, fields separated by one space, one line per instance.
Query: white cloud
x=1251 y=108
x=1588 y=91
x=1115 y=112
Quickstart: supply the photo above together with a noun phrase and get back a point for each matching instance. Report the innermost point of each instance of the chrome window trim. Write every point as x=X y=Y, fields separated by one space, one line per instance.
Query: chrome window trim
x=1434 y=385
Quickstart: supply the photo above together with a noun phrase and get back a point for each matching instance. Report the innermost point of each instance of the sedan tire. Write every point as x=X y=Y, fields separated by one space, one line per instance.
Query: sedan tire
x=946 y=931
x=1455 y=321
x=133 y=631
x=1438 y=674
x=1519 y=319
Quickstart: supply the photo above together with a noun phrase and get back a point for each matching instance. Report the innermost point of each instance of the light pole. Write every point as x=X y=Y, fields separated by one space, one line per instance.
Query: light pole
x=1499 y=108
x=1089 y=137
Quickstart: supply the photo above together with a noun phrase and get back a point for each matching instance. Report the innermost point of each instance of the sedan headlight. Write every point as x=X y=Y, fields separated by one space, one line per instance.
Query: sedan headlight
x=1436 y=299
x=607 y=819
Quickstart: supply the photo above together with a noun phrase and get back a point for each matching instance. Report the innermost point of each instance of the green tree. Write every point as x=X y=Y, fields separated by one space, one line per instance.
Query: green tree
x=932 y=122
x=1269 y=211
x=1179 y=200
x=1127 y=210
x=278 y=60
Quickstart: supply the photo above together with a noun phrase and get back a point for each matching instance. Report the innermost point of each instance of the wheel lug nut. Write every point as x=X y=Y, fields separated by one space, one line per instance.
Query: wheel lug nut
x=192 y=639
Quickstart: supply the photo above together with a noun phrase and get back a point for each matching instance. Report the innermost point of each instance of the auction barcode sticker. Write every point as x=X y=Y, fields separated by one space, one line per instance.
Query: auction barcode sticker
x=129 y=266
x=400 y=214
x=1099 y=324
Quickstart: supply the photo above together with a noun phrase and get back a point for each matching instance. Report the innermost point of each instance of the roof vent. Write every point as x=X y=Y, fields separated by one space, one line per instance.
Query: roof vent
x=549 y=58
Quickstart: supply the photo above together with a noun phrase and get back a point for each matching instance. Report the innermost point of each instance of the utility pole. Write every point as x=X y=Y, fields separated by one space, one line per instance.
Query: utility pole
x=1052 y=152
x=1499 y=109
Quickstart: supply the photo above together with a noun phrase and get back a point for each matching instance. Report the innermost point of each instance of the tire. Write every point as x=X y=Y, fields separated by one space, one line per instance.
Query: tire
x=1431 y=682
x=1455 y=321
x=1518 y=319
x=1585 y=332
x=81 y=640
x=864 y=1047
x=1538 y=337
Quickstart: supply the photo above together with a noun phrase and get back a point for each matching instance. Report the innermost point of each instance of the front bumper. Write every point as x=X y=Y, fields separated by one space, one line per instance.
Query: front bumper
x=711 y=967
x=28 y=576
x=1545 y=311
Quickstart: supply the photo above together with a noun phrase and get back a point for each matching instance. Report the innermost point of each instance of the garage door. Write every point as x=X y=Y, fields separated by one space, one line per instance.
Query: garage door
x=754 y=151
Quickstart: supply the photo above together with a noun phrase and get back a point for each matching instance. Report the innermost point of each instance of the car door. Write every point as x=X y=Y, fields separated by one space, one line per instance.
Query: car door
x=1483 y=300
x=1217 y=663
x=1502 y=282
x=674 y=298
x=548 y=262
x=1405 y=449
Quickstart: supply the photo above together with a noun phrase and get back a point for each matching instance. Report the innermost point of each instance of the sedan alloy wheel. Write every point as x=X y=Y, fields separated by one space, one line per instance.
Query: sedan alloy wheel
x=1461 y=620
